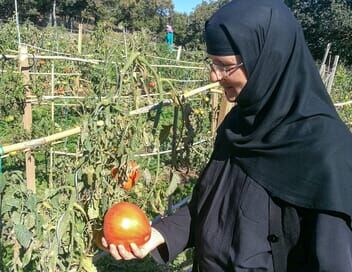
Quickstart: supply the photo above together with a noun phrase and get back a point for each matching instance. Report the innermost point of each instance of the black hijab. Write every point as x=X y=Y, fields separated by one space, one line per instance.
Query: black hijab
x=284 y=132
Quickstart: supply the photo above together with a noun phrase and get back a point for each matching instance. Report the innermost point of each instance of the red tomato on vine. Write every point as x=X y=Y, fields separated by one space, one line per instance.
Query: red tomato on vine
x=133 y=174
x=152 y=84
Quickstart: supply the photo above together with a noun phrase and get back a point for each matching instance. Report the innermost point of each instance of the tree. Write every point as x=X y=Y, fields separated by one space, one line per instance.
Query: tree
x=193 y=36
x=325 y=21
x=7 y=9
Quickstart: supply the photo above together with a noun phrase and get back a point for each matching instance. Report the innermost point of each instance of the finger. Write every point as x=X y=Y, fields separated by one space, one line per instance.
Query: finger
x=137 y=251
x=114 y=253
x=126 y=255
x=103 y=242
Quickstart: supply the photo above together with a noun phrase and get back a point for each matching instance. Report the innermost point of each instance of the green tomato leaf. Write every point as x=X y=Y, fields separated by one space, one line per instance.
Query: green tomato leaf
x=23 y=235
x=2 y=182
x=176 y=179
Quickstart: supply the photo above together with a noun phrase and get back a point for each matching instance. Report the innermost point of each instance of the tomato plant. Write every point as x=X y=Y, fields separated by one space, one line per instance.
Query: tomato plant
x=56 y=228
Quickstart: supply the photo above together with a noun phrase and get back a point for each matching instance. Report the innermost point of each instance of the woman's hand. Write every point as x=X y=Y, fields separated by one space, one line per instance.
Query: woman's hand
x=119 y=252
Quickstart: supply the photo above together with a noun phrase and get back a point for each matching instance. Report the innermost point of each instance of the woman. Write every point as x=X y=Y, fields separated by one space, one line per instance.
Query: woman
x=169 y=36
x=276 y=193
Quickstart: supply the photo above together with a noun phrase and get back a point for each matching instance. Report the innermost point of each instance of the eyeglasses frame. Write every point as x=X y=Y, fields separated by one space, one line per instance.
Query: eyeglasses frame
x=223 y=70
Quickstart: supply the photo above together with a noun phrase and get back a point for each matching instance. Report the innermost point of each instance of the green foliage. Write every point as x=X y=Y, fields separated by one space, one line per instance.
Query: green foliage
x=52 y=230
x=342 y=92
x=323 y=21
x=12 y=95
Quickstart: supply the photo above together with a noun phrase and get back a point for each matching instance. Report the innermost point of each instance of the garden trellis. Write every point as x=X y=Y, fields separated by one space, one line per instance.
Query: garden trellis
x=23 y=56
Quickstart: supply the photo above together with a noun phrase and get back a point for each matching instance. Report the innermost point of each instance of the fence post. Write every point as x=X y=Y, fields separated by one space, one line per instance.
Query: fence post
x=27 y=117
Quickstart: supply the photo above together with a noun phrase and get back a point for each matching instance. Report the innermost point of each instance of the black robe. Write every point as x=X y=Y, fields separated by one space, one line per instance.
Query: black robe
x=236 y=226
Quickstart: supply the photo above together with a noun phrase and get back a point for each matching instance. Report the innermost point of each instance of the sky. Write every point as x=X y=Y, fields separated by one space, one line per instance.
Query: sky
x=186 y=5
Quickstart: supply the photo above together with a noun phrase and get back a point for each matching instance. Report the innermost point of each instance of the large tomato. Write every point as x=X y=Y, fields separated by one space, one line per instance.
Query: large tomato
x=126 y=223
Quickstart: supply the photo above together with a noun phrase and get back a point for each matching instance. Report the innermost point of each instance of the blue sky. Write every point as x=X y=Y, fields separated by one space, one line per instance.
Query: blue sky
x=185 y=5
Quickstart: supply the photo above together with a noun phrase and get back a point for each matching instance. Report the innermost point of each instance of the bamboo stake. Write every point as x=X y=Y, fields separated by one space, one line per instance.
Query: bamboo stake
x=56 y=74
x=151 y=107
x=27 y=117
x=173 y=155
x=167 y=151
x=169 y=101
x=183 y=61
x=214 y=112
x=217 y=91
x=61 y=153
x=53 y=121
x=93 y=61
x=79 y=46
x=42 y=74
x=182 y=80
x=177 y=66
x=200 y=90
x=60 y=104
x=125 y=42
x=77 y=79
x=341 y=104
x=41 y=141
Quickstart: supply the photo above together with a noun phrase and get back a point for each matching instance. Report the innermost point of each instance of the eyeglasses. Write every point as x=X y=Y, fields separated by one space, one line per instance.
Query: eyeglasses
x=221 y=70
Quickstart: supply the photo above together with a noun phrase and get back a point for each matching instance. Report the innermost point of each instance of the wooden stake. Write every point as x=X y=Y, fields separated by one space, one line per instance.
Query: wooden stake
x=214 y=112
x=225 y=107
x=333 y=72
x=53 y=120
x=173 y=156
x=27 y=117
x=77 y=79
x=179 y=50
x=322 y=66
x=80 y=28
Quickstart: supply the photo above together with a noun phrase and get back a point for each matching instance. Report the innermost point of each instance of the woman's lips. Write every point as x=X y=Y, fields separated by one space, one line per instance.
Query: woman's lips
x=230 y=93
x=228 y=90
